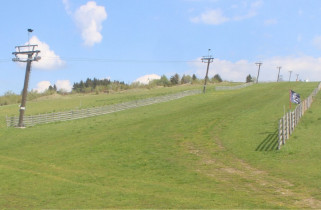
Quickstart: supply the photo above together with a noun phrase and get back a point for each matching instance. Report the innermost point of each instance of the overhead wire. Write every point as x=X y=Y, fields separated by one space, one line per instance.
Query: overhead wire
x=108 y=60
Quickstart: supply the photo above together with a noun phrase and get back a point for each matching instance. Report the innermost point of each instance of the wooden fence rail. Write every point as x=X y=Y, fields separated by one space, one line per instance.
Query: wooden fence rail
x=90 y=112
x=290 y=120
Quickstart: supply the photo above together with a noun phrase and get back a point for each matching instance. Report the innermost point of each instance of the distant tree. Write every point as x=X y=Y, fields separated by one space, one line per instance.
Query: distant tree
x=186 y=79
x=50 y=90
x=249 y=78
x=163 y=81
x=89 y=83
x=217 y=78
x=174 y=79
x=194 y=77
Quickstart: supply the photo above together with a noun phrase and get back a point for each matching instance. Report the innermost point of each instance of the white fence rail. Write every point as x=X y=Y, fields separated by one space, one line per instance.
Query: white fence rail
x=83 y=113
x=290 y=120
x=233 y=87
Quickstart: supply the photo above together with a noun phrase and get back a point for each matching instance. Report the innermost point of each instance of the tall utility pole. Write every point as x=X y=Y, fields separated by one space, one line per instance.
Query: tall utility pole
x=279 y=67
x=32 y=55
x=290 y=76
x=209 y=59
x=258 y=71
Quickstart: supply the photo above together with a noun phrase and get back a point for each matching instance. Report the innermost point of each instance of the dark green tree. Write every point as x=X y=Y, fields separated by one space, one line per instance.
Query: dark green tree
x=174 y=79
x=186 y=79
x=217 y=78
x=249 y=78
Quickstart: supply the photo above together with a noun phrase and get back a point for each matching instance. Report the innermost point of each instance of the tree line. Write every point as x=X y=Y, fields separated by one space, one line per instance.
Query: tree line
x=105 y=85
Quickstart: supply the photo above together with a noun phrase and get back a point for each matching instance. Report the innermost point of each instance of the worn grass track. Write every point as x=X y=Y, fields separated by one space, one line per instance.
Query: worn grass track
x=206 y=151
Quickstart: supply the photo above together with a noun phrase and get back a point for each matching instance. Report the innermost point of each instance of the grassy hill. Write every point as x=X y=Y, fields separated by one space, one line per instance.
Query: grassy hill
x=214 y=150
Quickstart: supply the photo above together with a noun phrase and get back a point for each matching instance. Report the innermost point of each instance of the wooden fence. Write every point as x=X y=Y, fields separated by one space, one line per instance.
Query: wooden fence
x=290 y=120
x=83 y=113
x=233 y=87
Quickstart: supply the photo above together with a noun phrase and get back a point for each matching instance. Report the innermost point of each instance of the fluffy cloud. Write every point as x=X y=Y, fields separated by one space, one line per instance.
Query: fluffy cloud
x=211 y=17
x=89 y=19
x=64 y=85
x=49 y=60
x=317 y=42
x=306 y=66
x=252 y=11
x=269 y=22
x=147 y=78
x=67 y=6
x=42 y=86
x=216 y=16
x=231 y=71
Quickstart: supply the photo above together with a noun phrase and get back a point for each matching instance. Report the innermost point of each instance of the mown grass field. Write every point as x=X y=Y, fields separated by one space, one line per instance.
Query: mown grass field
x=213 y=150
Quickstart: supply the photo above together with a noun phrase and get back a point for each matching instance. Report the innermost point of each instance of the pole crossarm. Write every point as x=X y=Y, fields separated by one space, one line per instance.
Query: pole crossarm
x=206 y=59
x=28 y=52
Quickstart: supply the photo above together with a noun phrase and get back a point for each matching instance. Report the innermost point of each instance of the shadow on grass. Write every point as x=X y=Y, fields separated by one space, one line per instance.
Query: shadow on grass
x=270 y=143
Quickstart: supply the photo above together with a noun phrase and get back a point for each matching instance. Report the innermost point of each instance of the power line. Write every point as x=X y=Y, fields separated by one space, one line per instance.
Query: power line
x=112 y=60
x=109 y=60
x=3 y=60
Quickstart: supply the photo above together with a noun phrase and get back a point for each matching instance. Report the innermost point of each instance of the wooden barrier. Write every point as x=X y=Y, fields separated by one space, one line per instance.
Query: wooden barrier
x=291 y=119
x=90 y=112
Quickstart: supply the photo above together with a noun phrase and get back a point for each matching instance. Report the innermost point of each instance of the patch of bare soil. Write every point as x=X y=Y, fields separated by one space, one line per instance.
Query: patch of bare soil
x=243 y=177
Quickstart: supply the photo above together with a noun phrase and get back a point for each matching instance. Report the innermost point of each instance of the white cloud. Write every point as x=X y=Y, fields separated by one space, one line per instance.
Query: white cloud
x=211 y=17
x=216 y=16
x=42 y=86
x=89 y=19
x=299 y=38
x=147 y=78
x=64 y=85
x=270 y=22
x=252 y=11
x=67 y=6
x=226 y=69
x=306 y=66
x=317 y=42
x=49 y=59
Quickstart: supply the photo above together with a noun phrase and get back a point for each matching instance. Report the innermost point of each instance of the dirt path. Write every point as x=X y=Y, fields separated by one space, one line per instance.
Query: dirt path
x=241 y=176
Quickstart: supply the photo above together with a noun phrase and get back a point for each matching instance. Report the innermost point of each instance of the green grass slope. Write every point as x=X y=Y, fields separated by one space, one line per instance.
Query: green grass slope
x=214 y=150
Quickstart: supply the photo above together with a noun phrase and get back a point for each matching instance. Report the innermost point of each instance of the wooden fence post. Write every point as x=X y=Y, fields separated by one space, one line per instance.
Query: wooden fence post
x=290 y=123
x=280 y=133
x=283 y=130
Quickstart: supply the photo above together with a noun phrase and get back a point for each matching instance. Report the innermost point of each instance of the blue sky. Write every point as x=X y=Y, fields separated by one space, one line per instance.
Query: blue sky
x=124 y=40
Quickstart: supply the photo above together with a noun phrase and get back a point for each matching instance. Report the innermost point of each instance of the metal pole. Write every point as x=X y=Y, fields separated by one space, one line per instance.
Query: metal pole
x=258 y=71
x=279 y=67
x=25 y=91
x=206 y=76
x=290 y=76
